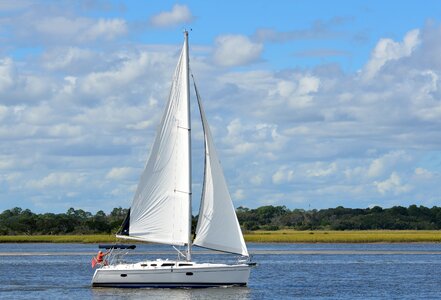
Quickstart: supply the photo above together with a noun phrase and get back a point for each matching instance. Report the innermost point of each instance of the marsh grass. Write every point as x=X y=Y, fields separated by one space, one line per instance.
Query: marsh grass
x=280 y=236
x=362 y=236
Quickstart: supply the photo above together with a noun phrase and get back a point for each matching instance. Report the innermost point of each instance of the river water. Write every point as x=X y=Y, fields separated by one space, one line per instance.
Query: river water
x=284 y=271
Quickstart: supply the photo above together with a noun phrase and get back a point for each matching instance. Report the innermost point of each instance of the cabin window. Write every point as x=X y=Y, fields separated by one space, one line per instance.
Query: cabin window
x=144 y=265
x=184 y=265
x=167 y=265
x=153 y=265
x=189 y=273
x=123 y=275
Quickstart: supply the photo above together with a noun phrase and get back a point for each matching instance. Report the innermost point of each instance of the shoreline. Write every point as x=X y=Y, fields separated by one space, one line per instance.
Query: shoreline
x=280 y=236
x=253 y=252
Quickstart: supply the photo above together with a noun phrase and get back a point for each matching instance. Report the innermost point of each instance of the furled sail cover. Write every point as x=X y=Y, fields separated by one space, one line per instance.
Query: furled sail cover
x=218 y=227
x=161 y=205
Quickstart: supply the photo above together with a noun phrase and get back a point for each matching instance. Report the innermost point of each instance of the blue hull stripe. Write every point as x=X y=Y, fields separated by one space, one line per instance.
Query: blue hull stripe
x=166 y=285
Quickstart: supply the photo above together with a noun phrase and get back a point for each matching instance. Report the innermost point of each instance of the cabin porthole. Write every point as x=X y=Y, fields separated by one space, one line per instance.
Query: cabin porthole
x=123 y=275
x=189 y=273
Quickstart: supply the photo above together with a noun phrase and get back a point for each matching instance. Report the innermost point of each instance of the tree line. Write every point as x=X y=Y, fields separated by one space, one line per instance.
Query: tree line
x=340 y=218
x=17 y=221
x=75 y=221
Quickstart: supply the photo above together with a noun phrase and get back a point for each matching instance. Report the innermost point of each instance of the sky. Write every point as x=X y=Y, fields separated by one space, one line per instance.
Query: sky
x=312 y=104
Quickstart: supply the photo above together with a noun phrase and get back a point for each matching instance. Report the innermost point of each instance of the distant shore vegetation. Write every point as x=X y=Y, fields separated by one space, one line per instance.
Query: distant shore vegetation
x=255 y=223
x=262 y=236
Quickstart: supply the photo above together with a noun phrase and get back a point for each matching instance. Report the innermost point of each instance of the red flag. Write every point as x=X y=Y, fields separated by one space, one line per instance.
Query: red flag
x=94 y=262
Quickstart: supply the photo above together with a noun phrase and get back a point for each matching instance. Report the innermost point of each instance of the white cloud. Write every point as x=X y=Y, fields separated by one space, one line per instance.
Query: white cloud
x=298 y=92
x=17 y=86
x=308 y=84
x=107 y=29
x=57 y=179
x=120 y=173
x=256 y=180
x=180 y=14
x=387 y=50
x=318 y=30
x=140 y=125
x=423 y=173
x=297 y=130
x=239 y=194
x=64 y=130
x=38 y=115
x=286 y=88
x=101 y=82
x=14 y=5
x=354 y=173
x=236 y=50
x=235 y=138
x=283 y=175
x=4 y=112
x=234 y=129
x=7 y=162
x=376 y=168
x=385 y=162
x=392 y=184
x=79 y=29
x=319 y=170
x=62 y=58
x=7 y=73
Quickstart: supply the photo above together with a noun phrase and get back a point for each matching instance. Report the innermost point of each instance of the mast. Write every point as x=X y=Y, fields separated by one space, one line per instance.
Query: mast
x=187 y=84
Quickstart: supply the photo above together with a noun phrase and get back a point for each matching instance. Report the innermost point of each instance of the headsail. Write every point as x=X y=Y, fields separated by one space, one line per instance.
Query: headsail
x=161 y=205
x=218 y=227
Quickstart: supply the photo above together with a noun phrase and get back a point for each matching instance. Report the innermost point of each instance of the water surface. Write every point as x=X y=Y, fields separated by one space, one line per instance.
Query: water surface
x=285 y=271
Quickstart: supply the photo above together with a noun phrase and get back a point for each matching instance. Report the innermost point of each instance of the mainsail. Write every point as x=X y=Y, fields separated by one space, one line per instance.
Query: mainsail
x=218 y=227
x=161 y=205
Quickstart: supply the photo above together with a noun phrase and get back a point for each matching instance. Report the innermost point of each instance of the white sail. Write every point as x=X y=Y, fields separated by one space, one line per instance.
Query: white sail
x=161 y=205
x=218 y=227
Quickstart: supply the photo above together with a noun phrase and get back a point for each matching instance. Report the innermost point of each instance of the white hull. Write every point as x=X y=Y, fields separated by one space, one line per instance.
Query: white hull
x=182 y=274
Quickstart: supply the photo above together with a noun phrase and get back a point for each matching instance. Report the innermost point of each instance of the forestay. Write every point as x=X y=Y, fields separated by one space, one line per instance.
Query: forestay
x=218 y=227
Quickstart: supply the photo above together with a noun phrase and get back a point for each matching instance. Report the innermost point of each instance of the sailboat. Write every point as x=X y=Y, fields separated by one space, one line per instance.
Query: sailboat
x=161 y=209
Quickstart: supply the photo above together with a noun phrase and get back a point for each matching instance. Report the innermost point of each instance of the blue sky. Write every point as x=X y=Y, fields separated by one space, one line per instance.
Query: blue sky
x=312 y=104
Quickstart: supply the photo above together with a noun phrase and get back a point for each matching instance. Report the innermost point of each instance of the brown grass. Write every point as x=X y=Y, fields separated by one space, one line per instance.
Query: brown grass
x=280 y=236
x=361 y=236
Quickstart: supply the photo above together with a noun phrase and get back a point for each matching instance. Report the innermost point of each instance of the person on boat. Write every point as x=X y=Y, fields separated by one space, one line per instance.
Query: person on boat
x=100 y=257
